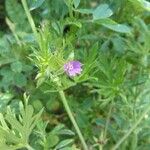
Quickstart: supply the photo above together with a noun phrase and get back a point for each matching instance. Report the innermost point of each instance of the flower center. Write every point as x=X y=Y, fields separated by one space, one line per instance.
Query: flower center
x=70 y=66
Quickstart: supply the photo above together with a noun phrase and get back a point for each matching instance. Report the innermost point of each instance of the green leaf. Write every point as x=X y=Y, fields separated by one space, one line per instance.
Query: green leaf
x=14 y=10
x=118 y=27
x=102 y=11
x=76 y=3
x=58 y=128
x=52 y=105
x=109 y=23
x=16 y=66
x=34 y=4
x=20 y=80
x=64 y=143
x=4 y=45
x=118 y=44
x=14 y=123
x=37 y=104
x=52 y=140
x=15 y=131
x=8 y=76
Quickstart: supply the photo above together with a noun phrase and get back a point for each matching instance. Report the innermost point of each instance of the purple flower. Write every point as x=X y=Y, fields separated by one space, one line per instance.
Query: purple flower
x=72 y=68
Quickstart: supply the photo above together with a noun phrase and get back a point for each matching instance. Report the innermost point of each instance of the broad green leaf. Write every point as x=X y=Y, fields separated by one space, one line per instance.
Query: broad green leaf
x=14 y=10
x=57 y=8
x=118 y=27
x=20 y=80
x=52 y=140
x=37 y=104
x=7 y=74
x=102 y=11
x=52 y=105
x=34 y=4
x=16 y=66
x=16 y=14
x=114 y=25
x=119 y=45
x=4 y=46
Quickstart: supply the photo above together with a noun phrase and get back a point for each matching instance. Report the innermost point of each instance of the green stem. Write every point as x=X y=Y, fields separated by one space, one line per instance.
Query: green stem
x=70 y=7
x=30 y=19
x=12 y=28
x=108 y=119
x=65 y=103
x=70 y=12
x=106 y=126
x=131 y=130
x=100 y=147
x=29 y=147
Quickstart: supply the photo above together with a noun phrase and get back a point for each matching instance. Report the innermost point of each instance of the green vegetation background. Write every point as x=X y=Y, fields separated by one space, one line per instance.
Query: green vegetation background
x=112 y=40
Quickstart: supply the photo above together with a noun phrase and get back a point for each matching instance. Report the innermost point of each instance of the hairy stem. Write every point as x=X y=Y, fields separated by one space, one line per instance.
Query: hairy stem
x=12 y=28
x=68 y=110
x=106 y=126
x=30 y=19
x=108 y=119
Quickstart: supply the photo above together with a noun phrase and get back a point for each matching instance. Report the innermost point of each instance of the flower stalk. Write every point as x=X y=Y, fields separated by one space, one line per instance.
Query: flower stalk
x=68 y=110
x=30 y=19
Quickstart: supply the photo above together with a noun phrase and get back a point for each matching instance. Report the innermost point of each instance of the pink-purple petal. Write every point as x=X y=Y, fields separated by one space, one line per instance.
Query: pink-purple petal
x=73 y=68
